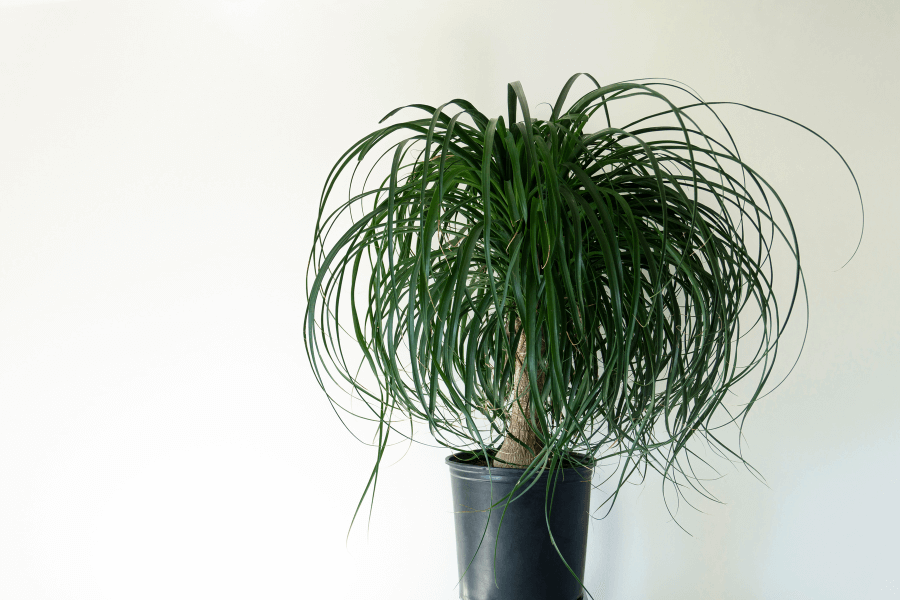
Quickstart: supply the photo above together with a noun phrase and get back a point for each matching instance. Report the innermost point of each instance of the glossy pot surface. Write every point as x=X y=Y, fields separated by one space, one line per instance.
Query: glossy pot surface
x=527 y=565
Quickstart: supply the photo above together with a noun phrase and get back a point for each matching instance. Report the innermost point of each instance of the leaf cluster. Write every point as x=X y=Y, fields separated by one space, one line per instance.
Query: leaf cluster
x=639 y=254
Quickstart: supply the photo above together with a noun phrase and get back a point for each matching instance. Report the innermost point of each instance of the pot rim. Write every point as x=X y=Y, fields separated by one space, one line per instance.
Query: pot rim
x=472 y=472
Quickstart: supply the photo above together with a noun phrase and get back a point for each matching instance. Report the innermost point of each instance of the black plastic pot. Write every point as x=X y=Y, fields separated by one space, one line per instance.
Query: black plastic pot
x=527 y=565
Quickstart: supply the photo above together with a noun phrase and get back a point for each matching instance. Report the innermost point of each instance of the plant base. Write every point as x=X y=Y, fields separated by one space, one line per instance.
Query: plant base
x=527 y=565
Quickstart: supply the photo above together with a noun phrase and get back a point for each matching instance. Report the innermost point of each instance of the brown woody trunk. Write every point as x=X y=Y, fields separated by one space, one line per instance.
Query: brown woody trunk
x=519 y=452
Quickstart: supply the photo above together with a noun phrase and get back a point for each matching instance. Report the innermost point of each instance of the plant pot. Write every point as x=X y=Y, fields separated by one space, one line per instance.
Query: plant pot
x=527 y=565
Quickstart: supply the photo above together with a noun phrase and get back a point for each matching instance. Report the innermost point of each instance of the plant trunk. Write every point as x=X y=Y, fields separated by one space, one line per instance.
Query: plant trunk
x=521 y=443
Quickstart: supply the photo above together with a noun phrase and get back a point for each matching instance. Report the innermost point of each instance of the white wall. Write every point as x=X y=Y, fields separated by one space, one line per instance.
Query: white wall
x=161 y=435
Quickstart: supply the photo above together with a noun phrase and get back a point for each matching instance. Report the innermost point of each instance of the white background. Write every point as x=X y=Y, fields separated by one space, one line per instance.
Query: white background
x=161 y=435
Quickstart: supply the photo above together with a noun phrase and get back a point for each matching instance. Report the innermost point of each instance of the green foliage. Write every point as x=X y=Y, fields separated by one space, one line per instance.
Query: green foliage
x=636 y=252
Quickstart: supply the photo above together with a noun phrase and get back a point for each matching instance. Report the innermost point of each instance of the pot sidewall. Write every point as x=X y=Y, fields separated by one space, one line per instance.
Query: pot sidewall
x=527 y=565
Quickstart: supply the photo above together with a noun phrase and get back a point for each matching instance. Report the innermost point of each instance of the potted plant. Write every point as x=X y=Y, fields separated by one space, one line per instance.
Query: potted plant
x=545 y=294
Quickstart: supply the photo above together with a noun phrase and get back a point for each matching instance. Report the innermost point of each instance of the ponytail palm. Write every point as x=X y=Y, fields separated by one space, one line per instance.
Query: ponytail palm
x=570 y=288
